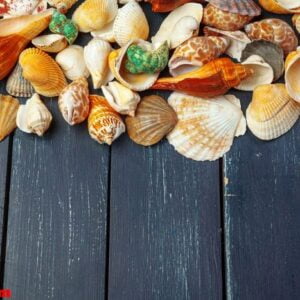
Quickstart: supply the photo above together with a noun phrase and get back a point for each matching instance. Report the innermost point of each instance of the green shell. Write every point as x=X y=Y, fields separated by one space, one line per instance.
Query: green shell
x=62 y=25
x=142 y=61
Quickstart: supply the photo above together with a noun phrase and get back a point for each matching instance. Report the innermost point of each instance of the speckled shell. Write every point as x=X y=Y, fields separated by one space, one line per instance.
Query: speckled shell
x=292 y=78
x=43 y=72
x=74 y=102
x=275 y=6
x=62 y=5
x=14 y=8
x=272 y=111
x=104 y=124
x=153 y=120
x=273 y=30
x=205 y=128
x=52 y=43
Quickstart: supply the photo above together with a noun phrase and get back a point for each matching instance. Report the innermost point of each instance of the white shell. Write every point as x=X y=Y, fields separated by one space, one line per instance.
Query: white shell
x=72 y=62
x=292 y=78
x=96 y=54
x=52 y=43
x=25 y=7
x=120 y=98
x=289 y=4
x=106 y=33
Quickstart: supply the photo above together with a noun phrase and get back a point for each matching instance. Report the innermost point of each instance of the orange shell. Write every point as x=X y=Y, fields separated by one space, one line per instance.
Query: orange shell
x=273 y=7
x=168 y=5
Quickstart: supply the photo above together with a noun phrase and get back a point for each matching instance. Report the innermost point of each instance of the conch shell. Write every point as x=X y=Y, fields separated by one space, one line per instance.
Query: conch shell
x=8 y=113
x=62 y=5
x=52 y=43
x=292 y=79
x=167 y=5
x=104 y=124
x=272 y=111
x=43 y=72
x=205 y=128
x=213 y=79
x=281 y=6
x=74 y=102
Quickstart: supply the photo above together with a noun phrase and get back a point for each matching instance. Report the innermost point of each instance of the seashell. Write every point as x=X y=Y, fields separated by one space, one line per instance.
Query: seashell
x=180 y=25
x=106 y=33
x=280 y=6
x=271 y=53
x=205 y=128
x=263 y=73
x=15 y=34
x=167 y=5
x=93 y=15
x=62 y=5
x=17 y=85
x=96 y=58
x=224 y=20
x=43 y=72
x=213 y=79
x=292 y=68
x=273 y=30
x=71 y=60
x=34 y=116
x=120 y=98
x=196 y=52
x=15 y=8
x=8 y=113
x=154 y=119
x=130 y=23
x=135 y=82
x=52 y=43
x=238 y=40
x=74 y=102
x=272 y=111
x=296 y=21
x=104 y=124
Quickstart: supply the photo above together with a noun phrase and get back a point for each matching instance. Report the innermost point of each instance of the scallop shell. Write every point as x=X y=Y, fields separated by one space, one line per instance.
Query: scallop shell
x=272 y=111
x=120 y=98
x=274 y=30
x=62 y=5
x=15 y=8
x=96 y=55
x=292 y=79
x=52 y=43
x=8 y=113
x=43 y=72
x=74 y=102
x=196 y=52
x=205 y=128
x=17 y=85
x=93 y=15
x=280 y=6
x=104 y=124
x=106 y=33
x=180 y=25
x=130 y=23
x=71 y=60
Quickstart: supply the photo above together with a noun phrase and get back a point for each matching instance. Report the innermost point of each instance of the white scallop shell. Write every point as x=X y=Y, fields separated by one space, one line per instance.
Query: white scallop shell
x=52 y=43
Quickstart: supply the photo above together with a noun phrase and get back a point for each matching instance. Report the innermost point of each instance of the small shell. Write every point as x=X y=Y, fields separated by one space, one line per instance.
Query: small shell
x=72 y=62
x=166 y=5
x=104 y=124
x=280 y=6
x=120 y=98
x=292 y=71
x=130 y=23
x=52 y=43
x=16 y=8
x=96 y=55
x=8 y=113
x=34 y=117
x=17 y=85
x=62 y=5
x=154 y=119
x=272 y=111
x=74 y=103
x=205 y=128
x=106 y=33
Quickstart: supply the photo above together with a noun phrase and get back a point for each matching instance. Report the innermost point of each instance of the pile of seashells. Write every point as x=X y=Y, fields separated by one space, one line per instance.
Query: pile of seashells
x=199 y=119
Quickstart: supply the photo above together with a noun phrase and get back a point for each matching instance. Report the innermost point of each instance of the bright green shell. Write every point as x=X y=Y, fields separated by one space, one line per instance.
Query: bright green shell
x=142 y=61
x=60 y=24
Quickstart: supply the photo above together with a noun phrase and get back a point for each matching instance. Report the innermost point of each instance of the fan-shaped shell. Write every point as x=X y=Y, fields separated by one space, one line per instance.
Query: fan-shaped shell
x=272 y=111
x=205 y=128
x=43 y=72
x=52 y=43
x=106 y=33
x=62 y=5
x=292 y=71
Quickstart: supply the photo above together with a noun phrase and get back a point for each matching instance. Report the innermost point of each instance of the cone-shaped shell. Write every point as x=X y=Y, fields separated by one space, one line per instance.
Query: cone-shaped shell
x=167 y=5
x=275 y=6
x=62 y=5
x=205 y=128
x=8 y=113
x=272 y=111
x=43 y=72
x=52 y=43
x=292 y=71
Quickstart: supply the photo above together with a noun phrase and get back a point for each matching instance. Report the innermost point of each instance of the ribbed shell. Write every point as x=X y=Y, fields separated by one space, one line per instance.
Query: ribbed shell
x=153 y=120
x=292 y=69
x=52 y=43
x=62 y=5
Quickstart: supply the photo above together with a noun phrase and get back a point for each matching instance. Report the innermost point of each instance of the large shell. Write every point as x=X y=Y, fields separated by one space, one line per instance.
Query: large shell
x=205 y=128
x=96 y=55
x=280 y=6
x=52 y=43
x=71 y=60
x=17 y=85
x=272 y=111
x=104 y=124
x=8 y=113
x=43 y=72
x=62 y=5
x=213 y=79
x=74 y=103
x=106 y=33
x=196 y=52
x=167 y=5
x=135 y=82
x=130 y=23
x=180 y=25
x=93 y=15
x=120 y=98
x=274 y=30
x=292 y=71
x=14 y=8
x=154 y=119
